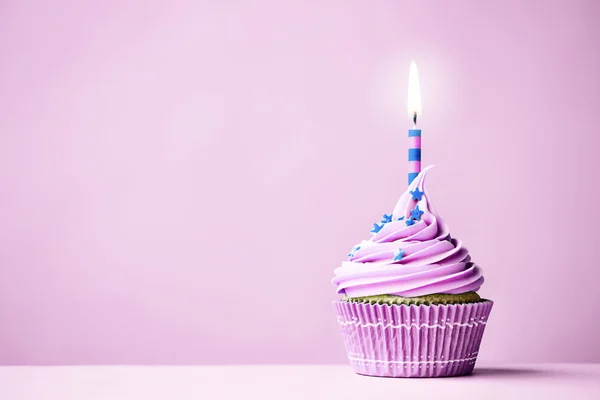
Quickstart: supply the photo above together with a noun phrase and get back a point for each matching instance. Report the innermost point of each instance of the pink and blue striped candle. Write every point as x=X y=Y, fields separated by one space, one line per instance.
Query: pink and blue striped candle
x=414 y=154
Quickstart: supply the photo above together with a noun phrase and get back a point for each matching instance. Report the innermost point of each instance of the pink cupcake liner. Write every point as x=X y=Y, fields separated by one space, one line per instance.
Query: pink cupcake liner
x=412 y=341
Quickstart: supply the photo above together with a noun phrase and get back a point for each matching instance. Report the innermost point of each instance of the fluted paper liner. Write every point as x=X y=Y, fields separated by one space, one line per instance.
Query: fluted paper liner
x=412 y=341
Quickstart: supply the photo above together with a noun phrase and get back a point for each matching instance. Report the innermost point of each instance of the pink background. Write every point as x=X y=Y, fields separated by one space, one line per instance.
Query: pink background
x=179 y=179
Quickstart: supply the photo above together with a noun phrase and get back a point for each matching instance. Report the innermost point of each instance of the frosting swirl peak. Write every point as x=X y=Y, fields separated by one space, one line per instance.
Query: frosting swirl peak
x=410 y=254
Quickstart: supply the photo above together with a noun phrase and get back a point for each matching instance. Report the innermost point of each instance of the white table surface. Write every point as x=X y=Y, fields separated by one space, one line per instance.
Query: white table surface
x=313 y=382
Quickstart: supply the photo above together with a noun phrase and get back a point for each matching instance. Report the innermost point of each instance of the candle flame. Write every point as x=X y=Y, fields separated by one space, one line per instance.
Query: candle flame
x=414 y=92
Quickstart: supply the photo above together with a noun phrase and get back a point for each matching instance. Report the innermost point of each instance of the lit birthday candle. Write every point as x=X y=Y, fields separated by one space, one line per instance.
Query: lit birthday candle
x=414 y=134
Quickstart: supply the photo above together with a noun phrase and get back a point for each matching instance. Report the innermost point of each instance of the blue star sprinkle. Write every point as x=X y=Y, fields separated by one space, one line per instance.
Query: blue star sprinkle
x=400 y=219
x=409 y=222
x=398 y=254
x=417 y=194
x=386 y=218
x=416 y=213
x=376 y=228
x=354 y=250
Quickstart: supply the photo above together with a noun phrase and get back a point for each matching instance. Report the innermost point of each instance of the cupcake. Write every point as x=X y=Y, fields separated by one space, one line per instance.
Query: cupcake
x=410 y=305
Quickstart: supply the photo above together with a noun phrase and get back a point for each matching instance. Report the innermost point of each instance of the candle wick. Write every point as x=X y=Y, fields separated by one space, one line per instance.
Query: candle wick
x=415 y=119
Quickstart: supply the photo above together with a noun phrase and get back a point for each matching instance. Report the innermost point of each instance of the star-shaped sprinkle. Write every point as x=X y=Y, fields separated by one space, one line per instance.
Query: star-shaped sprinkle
x=376 y=228
x=354 y=250
x=401 y=218
x=386 y=218
x=417 y=194
x=409 y=222
x=398 y=254
x=416 y=213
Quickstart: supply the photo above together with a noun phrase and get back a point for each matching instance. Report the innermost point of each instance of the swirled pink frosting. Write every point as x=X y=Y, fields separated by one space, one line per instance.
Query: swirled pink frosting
x=409 y=260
